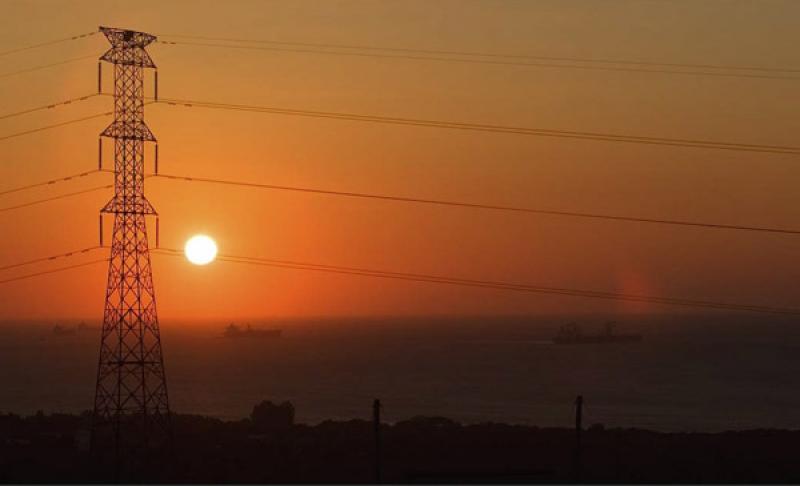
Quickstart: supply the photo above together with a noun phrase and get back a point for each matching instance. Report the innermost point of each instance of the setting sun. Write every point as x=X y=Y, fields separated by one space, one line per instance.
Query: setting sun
x=200 y=250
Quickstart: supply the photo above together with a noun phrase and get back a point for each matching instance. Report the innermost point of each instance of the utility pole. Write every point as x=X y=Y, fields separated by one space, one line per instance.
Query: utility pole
x=578 y=428
x=131 y=408
x=376 y=422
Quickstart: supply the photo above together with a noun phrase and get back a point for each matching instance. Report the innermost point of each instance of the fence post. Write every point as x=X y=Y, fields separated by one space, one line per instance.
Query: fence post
x=578 y=427
x=376 y=423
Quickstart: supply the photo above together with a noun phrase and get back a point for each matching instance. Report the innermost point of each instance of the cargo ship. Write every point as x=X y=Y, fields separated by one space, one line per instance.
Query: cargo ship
x=234 y=331
x=571 y=334
x=61 y=331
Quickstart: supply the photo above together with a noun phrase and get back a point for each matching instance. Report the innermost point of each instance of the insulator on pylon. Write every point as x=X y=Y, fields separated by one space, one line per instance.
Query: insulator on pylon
x=99 y=78
x=100 y=153
x=157 y=232
x=155 y=87
x=101 y=230
x=155 y=169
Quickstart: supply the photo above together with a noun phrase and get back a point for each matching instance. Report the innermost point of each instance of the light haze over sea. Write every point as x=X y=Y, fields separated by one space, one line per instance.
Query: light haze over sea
x=691 y=373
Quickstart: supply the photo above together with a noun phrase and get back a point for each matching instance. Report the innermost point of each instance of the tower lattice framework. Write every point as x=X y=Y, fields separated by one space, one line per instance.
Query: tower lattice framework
x=131 y=394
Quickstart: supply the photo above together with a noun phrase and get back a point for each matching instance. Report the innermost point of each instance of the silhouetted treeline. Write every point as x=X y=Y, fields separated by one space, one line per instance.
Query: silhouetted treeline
x=270 y=447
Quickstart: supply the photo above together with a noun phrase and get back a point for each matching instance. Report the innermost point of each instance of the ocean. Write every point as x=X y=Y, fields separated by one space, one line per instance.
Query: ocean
x=708 y=373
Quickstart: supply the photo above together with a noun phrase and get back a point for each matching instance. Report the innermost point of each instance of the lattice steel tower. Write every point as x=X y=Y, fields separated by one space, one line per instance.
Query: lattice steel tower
x=131 y=404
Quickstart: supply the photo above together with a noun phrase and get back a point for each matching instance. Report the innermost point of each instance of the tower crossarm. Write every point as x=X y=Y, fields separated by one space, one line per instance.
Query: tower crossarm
x=127 y=47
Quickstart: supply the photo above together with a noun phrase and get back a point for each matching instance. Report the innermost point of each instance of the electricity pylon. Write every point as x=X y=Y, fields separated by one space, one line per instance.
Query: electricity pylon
x=131 y=405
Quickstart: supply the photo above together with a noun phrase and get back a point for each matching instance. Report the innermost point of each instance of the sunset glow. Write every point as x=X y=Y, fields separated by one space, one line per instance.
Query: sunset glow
x=200 y=250
x=436 y=226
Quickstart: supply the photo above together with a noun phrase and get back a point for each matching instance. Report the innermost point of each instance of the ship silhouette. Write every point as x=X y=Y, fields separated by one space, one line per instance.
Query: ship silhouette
x=571 y=334
x=234 y=331
x=59 y=330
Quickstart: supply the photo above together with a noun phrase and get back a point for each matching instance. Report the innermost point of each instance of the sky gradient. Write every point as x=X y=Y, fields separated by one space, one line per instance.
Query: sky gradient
x=548 y=173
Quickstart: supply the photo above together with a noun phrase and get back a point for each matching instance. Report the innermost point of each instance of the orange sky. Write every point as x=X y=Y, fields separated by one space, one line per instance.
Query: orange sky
x=638 y=180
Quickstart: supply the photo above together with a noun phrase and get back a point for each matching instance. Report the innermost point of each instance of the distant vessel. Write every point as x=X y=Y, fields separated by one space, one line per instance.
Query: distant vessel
x=234 y=331
x=60 y=330
x=571 y=334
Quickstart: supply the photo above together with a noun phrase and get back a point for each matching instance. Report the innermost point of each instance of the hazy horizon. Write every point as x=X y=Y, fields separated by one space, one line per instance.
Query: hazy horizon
x=469 y=369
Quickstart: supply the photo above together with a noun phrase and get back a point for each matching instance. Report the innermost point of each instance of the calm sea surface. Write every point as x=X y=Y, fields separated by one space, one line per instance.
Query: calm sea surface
x=690 y=373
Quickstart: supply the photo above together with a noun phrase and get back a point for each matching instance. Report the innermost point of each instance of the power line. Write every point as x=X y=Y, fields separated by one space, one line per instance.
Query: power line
x=463 y=204
x=49 y=43
x=56 y=125
x=55 y=198
x=51 y=182
x=456 y=125
x=50 y=106
x=55 y=270
x=417 y=277
x=45 y=66
x=485 y=54
x=64 y=123
x=491 y=61
x=51 y=258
